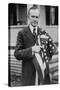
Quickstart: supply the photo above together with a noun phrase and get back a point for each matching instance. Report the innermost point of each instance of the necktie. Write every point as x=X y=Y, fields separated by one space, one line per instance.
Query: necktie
x=34 y=34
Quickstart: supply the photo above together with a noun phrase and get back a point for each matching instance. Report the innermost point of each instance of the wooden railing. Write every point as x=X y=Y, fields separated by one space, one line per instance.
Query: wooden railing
x=15 y=66
x=53 y=69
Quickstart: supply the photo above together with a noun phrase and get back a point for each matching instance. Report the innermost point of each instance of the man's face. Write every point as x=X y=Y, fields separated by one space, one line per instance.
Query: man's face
x=34 y=17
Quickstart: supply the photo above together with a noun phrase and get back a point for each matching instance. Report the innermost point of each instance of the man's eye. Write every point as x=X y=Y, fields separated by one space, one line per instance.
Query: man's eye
x=32 y=16
x=36 y=16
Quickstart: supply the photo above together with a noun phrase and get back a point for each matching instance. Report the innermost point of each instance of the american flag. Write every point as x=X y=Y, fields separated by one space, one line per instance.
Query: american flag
x=47 y=50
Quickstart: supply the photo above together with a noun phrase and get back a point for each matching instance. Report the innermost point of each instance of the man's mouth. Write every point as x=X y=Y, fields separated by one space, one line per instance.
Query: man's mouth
x=35 y=22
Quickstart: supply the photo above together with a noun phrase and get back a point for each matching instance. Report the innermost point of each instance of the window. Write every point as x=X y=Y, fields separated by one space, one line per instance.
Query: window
x=51 y=15
x=17 y=14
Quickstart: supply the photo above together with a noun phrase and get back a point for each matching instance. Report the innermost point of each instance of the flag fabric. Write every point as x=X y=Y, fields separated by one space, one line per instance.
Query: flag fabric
x=40 y=60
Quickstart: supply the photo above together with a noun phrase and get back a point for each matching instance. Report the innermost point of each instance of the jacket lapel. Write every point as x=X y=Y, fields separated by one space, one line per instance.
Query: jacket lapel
x=30 y=35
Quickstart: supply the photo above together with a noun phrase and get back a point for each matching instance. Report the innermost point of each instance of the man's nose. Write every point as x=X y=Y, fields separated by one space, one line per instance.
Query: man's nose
x=35 y=18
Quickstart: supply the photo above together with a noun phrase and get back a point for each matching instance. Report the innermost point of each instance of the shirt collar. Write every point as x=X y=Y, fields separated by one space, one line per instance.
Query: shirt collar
x=31 y=28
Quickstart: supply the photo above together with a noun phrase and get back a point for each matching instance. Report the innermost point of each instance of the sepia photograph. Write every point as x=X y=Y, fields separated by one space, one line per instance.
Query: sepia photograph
x=32 y=44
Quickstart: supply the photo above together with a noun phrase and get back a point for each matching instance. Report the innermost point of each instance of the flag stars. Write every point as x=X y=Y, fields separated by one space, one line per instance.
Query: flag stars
x=43 y=46
x=47 y=61
x=50 y=45
x=46 y=57
x=44 y=50
x=50 y=51
x=45 y=54
x=46 y=42
x=42 y=41
x=53 y=47
x=50 y=39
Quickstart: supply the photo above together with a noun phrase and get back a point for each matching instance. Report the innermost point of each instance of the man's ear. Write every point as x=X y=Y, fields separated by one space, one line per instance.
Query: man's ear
x=28 y=16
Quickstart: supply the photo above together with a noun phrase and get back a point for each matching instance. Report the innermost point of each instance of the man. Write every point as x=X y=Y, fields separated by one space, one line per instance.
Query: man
x=27 y=48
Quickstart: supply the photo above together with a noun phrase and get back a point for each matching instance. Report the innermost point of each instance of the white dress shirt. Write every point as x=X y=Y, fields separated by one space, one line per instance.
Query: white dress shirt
x=32 y=28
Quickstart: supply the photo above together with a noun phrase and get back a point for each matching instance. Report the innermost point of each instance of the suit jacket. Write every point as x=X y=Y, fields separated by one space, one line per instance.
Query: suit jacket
x=23 y=51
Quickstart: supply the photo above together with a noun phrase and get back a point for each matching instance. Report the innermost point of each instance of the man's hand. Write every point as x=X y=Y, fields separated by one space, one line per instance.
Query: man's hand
x=36 y=49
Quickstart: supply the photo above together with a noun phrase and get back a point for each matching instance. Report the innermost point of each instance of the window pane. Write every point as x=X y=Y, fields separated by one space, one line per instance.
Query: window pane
x=51 y=15
x=17 y=14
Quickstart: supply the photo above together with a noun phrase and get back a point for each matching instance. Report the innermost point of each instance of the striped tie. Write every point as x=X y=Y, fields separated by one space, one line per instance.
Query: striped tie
x=34 y=34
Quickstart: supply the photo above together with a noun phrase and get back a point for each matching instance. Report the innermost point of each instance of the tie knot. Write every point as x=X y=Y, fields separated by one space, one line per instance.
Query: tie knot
x=34 y=29
x=34 y=32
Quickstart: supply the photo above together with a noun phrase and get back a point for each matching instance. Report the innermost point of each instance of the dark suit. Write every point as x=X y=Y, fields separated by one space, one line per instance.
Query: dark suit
x=23 y=51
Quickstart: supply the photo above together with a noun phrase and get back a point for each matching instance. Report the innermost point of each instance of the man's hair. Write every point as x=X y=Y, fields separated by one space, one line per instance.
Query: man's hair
x=34 y=7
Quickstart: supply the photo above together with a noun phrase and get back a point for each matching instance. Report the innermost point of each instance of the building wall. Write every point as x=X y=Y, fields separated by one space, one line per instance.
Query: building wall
x=52 y=30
